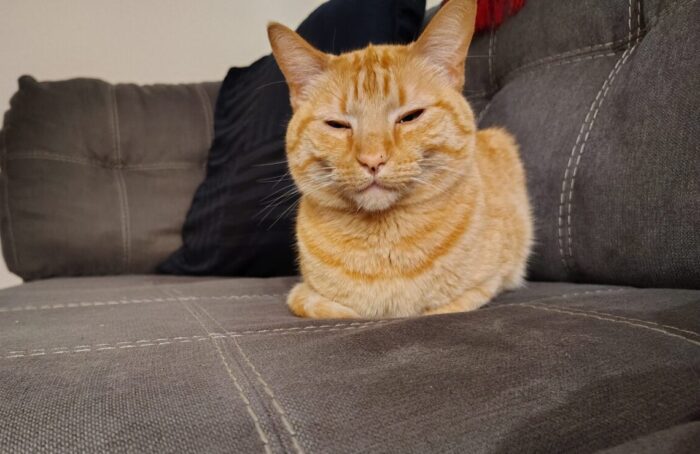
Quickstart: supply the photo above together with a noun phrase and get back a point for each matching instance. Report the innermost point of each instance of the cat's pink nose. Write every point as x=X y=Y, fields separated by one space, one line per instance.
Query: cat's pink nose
x=372 y=161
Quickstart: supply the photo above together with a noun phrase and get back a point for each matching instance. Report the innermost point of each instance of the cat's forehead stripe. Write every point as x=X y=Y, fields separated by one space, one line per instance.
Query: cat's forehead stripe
x=343 y=102
x=387 y=82
x=372 y=73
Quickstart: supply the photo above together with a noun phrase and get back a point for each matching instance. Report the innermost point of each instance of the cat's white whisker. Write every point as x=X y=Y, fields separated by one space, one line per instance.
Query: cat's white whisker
x=275 y=180
x=292 y=206
x=286 y=176
x=266 y=164
x=281 y=199
x=269 y=208
x=276 y=82
x=275 y=193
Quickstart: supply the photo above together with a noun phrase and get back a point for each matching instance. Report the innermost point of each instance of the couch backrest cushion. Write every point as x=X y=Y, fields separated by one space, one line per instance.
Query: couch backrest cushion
x=604 y=99
x=97 y=178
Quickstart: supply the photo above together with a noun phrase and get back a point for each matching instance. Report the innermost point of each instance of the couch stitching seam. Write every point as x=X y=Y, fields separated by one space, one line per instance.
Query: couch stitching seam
x=578 y=59
x=10 y=231
x=563 y=295
x=126 y=234
x=629 y=21
x=639 y=21
x=276 y=405
x=565 y=179
x=225 y=298
x=206 y=107
x=102 y=346
x=237 y=297
x=251 y=413
x=136 y=301
x=610 y=44
x=301 y=329
x=122 y=345
x=629 y=319
x=51 y=156
x=567 y=54
x=121 y=187
x=273 y=399
x=624 y=322
x=554 y=297
x=193 y=339
x=312 y=329
x=551 y=62
x=562 y=194
x=609 y=81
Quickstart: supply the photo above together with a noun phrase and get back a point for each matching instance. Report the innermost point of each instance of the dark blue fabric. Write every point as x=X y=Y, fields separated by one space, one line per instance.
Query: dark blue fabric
x=228 y=230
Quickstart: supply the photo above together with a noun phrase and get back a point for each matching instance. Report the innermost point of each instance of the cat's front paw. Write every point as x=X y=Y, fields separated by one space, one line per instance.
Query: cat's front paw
x=306 y=302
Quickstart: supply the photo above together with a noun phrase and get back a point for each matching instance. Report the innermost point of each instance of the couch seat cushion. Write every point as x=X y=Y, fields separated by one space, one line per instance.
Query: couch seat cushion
x=159 y=363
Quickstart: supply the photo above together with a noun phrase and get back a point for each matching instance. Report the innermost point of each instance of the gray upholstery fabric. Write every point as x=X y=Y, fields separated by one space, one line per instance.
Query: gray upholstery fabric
x=97 y=178
x=152 y=364
x=682 y=439
x=603 y=99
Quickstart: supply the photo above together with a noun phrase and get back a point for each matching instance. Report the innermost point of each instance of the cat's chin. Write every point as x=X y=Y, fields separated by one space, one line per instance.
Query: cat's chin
x=376 y=198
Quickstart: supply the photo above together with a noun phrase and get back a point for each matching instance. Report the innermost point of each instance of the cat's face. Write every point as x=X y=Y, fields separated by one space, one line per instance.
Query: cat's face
x=378 y=127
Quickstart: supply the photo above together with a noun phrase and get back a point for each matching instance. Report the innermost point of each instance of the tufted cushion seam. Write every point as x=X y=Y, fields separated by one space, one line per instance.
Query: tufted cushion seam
x=121 y=184
x=571 y=56
x=639 y=21
x=208 y=113
x=589 y=122
x=53 y=156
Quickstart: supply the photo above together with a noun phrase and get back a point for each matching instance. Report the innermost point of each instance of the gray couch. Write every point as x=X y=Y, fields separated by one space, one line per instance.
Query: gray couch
x=600 y=351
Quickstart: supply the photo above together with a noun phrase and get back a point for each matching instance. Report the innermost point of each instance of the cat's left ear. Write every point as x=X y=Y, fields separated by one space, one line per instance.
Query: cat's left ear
x=445 y=41
x=299 y=61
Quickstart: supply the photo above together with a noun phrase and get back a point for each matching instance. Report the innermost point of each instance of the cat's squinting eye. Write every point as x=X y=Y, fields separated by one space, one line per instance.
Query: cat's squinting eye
x=338 y=124
x=410 y=116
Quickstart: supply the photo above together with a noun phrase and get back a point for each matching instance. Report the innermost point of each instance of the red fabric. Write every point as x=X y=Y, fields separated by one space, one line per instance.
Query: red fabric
x=491 y=13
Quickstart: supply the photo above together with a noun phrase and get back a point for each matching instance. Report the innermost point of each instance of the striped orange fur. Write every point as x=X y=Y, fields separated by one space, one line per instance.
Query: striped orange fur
x=406 y=208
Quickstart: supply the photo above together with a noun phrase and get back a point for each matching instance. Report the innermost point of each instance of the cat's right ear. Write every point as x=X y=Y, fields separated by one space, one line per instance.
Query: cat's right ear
x=445 y=41
x=299 y=61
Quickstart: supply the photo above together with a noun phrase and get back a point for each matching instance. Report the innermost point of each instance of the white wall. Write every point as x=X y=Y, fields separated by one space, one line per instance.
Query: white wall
x=135 y=40
x=143 y=41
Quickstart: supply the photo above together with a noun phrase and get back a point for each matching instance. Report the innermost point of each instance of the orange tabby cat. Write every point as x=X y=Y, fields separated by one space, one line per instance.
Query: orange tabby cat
x=406 y=209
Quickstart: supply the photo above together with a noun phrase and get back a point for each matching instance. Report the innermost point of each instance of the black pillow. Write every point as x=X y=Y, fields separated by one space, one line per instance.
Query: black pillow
x=241 y=222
